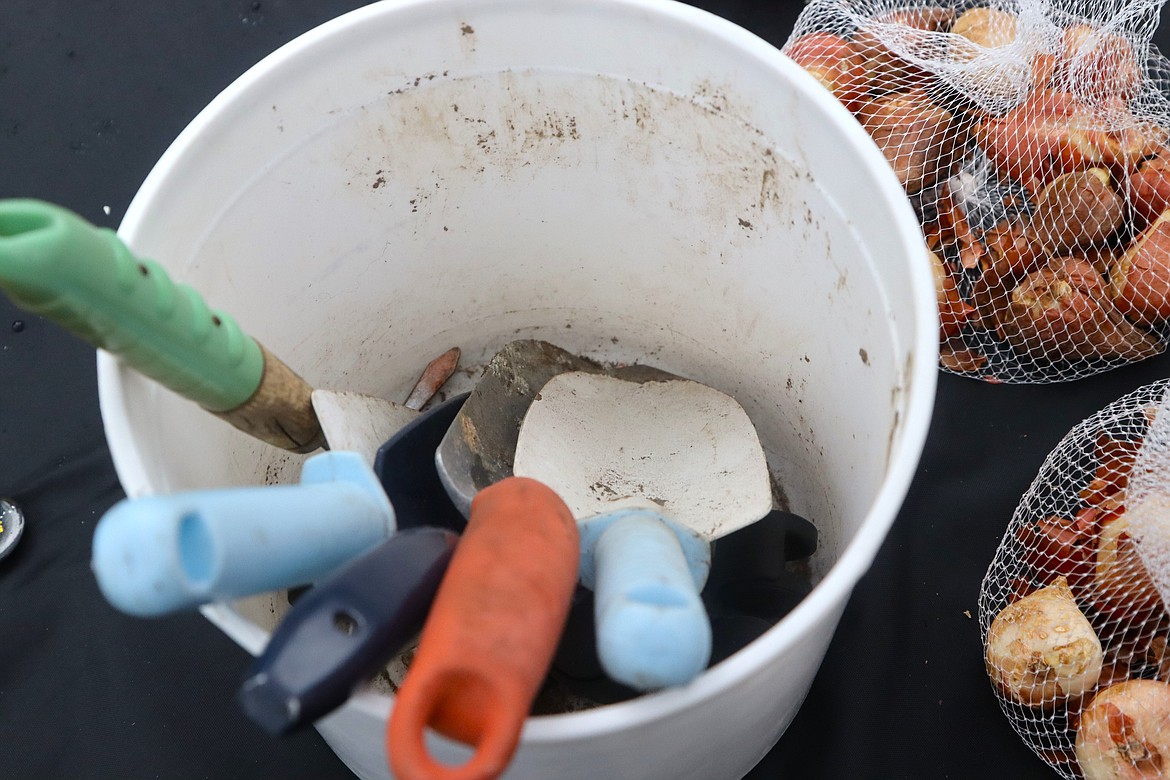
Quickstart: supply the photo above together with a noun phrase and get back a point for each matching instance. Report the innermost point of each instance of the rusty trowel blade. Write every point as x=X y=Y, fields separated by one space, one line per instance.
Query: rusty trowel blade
x=434 y=376
x=480 y=445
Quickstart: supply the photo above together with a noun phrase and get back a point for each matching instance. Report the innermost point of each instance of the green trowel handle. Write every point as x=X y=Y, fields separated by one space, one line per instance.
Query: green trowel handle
x=54 y=263
x=82 y=277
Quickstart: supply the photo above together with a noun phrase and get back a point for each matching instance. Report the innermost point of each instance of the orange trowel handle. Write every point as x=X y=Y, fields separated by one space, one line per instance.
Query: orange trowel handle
x=490 y=635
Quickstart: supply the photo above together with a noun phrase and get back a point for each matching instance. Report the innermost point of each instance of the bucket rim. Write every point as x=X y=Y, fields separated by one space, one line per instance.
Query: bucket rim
x=919 y=379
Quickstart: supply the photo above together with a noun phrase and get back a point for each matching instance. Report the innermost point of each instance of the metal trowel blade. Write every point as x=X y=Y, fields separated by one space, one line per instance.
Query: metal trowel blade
x=480 y=445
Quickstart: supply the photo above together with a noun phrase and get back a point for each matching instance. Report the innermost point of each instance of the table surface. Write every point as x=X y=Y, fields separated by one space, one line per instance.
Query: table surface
x=91 y=94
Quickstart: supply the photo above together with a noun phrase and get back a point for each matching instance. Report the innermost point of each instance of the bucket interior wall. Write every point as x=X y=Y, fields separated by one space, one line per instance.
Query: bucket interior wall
x=675 y=223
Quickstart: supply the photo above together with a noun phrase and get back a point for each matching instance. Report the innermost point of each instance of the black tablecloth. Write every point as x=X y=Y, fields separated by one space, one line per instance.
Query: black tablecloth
x=91 y=93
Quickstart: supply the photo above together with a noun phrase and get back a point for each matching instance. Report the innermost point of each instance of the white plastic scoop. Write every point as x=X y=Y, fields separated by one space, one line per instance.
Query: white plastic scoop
x=654 y=471
x=362 y=423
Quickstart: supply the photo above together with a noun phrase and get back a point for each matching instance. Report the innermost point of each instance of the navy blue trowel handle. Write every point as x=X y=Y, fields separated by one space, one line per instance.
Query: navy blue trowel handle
x=405 y=464
x=340 y=633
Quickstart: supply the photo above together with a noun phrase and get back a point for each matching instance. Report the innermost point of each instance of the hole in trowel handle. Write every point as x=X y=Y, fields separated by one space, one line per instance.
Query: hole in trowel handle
x=657 y=596
x=197 y=550
x=344 y=622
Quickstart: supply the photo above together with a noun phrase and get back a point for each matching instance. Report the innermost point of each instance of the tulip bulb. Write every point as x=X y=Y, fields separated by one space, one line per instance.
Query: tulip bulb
x=1042 y=649
x=1124 y=733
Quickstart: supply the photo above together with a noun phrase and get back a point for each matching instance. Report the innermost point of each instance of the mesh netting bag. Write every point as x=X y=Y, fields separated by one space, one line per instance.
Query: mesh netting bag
x=1031 y=139
x=1075 y=633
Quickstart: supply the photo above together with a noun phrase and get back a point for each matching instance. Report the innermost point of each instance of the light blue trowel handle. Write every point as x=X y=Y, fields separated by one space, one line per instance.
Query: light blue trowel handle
x=159 y=554
x=646 y=573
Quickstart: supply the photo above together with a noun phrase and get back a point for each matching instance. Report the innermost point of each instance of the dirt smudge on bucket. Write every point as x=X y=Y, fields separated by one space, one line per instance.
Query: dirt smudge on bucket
x=497 y=126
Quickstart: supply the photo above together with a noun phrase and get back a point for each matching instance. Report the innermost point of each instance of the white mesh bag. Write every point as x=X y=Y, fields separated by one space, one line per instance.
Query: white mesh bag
x=1031 y=139
x=1076 y=635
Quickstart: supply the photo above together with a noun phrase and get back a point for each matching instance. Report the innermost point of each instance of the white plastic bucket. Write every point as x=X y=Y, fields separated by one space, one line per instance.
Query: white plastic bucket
x=629 y=179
